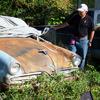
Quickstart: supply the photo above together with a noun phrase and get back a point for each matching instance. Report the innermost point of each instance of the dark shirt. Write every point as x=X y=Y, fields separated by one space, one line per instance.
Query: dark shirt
x=86 y=26
x=73 y=21
x=76 y=28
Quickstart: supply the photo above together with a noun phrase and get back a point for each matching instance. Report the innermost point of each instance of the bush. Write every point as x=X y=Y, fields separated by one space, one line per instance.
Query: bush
x=37 y=12
x=56 y=87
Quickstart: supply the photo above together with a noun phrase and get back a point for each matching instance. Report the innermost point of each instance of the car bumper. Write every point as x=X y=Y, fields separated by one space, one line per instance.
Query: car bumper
x=19 y=79
x=22 y=78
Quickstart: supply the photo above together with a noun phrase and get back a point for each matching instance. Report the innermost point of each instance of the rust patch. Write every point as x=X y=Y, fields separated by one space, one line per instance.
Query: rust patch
x=26 y=51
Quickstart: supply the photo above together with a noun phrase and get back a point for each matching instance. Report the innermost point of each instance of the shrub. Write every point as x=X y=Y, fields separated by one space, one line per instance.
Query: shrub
x=37 y=12
x=56 y=87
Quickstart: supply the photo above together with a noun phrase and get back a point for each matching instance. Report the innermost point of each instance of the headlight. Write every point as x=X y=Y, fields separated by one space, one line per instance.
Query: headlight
x=14 y=68
x=76 y=60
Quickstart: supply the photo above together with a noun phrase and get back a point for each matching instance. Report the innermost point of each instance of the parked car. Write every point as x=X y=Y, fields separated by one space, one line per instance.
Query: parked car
x=25 y=55
x=95 y=49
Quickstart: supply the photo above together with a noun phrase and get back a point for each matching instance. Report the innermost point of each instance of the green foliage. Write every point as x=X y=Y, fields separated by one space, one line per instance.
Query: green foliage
x=56 y=87
x=55 y=21
x=36 y=12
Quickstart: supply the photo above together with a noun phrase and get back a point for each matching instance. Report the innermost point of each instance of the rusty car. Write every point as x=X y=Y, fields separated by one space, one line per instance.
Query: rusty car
x=24 y=54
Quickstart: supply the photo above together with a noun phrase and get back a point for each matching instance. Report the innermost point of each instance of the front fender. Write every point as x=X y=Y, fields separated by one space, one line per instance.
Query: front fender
x=6 y=61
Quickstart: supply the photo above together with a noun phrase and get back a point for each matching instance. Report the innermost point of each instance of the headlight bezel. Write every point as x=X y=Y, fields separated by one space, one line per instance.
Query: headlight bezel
x=76 y=60
x=14 y=68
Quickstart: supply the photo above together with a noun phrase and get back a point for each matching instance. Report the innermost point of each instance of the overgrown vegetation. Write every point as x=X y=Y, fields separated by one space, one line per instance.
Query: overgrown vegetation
x=56 y=87
x=37 y=12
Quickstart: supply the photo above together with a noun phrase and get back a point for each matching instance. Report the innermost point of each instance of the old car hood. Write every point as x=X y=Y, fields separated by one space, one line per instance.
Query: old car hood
x=16 y=27
x=36 y=55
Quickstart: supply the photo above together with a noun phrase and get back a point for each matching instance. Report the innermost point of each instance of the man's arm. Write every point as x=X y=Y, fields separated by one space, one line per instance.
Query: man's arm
x=61 y=26
x=91 y=38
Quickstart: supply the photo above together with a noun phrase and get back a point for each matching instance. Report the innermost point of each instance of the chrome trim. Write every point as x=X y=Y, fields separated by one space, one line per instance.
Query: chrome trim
x=67 y=70
x=22 y=78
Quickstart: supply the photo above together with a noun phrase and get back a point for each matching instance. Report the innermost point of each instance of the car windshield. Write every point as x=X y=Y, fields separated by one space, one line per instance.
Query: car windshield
x=15 y=27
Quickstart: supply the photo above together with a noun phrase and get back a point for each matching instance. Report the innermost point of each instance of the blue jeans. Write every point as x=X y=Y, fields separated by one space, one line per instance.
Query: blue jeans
x=81 y=47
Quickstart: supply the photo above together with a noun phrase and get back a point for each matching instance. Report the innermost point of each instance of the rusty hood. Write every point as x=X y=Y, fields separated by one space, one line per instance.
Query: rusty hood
x=36 y=55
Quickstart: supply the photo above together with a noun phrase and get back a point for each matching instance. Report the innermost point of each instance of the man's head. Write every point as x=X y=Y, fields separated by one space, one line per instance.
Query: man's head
x=83 y=9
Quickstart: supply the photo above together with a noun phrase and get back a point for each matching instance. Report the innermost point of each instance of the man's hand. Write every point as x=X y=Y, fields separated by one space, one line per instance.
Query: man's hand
x=90 y=44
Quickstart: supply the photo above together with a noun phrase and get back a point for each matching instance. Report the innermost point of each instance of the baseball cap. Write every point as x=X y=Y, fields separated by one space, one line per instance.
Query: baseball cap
x=83 y=7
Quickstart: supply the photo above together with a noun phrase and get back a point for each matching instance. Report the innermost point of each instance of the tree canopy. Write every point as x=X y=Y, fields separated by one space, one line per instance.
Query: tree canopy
x=37 y=12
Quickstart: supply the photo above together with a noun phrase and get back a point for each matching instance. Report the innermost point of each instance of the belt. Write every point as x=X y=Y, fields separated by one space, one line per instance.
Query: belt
x=85 y=37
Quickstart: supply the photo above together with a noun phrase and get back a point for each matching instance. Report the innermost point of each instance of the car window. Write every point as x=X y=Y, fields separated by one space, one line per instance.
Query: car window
x=98 y=18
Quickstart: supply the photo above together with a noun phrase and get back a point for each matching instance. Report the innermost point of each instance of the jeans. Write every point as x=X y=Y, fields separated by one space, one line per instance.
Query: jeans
x=81 y=47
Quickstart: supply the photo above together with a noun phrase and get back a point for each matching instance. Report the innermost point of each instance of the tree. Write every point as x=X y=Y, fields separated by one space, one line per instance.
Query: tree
x=37 y=12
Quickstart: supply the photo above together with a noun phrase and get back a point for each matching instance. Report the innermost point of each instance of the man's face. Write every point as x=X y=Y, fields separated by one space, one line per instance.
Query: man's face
x=82 y=13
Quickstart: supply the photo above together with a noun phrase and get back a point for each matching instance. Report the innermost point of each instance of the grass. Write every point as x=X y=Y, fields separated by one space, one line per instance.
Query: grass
x=56 y=87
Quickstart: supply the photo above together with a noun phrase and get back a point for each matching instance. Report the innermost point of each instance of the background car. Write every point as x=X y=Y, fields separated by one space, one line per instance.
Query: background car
x=94 y=51
x=25 y=55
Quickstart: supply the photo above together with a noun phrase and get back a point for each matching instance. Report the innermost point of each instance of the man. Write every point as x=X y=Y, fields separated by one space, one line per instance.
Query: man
x=85 y=32
x=83 y=29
